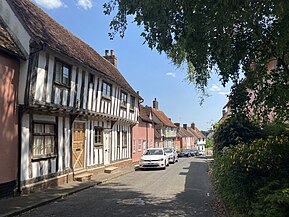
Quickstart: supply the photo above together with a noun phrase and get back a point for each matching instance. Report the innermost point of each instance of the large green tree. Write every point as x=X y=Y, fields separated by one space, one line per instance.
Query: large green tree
x=232 y=37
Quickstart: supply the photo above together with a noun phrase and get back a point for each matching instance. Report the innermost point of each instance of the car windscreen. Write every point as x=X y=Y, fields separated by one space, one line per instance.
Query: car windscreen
x=168 y=150
x=154 y=152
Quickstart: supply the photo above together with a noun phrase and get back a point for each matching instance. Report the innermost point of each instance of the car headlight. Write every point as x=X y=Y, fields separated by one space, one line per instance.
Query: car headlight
x=161 y=159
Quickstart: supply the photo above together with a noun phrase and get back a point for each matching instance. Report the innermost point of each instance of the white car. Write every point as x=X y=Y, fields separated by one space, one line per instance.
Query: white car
x=172 y=155
x=154 y=158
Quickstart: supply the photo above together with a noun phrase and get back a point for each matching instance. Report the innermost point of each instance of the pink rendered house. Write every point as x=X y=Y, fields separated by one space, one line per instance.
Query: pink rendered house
x=10 y=58
x=184 y=139
x=142 y=133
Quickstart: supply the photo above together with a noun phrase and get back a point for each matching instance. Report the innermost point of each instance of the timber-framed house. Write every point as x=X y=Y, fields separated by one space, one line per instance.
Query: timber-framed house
x=76 y=109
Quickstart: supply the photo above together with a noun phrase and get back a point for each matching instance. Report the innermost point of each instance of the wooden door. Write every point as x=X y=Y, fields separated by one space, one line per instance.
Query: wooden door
x=78 y=145
x=106 y=147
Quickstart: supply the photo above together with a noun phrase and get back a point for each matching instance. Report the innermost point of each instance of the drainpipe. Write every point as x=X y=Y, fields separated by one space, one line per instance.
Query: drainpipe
x=20 y=112
x=147 y=135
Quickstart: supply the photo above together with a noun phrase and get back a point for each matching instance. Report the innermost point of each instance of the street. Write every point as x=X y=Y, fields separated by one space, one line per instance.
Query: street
x=180 y=190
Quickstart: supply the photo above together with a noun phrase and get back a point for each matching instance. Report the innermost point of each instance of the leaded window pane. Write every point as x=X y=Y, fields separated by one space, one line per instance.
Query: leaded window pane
x=38 y=145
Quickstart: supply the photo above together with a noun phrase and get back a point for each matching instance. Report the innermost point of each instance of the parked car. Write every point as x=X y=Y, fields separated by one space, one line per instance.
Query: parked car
x=185 y=153
x=172 y=154
x=194 y=152
x=154 y=158
x=201 y=152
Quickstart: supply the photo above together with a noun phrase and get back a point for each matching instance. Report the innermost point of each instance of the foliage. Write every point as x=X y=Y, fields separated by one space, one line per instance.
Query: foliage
x=254 y=178
x=209 y=143
x=235 y=130
x=223 y=36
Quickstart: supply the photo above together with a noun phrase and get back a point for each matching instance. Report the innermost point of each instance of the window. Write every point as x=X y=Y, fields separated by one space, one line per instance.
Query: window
x=132 y=102
x=134 y=145
x=62 y=73
x=123 y=99
x=144 y=143
x=106 y=90
x=118 y=139
x=43 y=139
x=98 y=137
x=124 y=139
x=139 y=145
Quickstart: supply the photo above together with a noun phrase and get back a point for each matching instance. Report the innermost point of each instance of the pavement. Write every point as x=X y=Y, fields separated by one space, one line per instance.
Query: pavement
x=17 y=205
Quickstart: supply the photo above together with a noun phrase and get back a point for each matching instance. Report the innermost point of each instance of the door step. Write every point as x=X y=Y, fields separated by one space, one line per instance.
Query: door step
x=110 y=169
x=83 y=177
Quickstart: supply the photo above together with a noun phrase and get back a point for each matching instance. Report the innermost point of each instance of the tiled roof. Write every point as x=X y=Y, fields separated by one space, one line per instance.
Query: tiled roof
x=144 y=114
x=7 y=43
x=183 y=132
x=196 y=132
x=163 y=118
x=46 y=31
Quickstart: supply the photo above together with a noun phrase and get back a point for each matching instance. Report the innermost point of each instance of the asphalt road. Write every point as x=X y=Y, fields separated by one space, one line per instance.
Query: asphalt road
x=180 y=190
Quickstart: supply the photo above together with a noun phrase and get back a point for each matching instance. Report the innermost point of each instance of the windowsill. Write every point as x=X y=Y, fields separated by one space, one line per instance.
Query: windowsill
x=61 y=85
x=131 y=110
x=43 y=157
x=106 y=98
x=122 y=106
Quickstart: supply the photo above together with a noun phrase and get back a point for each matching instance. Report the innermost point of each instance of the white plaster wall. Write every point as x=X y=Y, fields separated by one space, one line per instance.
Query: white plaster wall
x=25 y=148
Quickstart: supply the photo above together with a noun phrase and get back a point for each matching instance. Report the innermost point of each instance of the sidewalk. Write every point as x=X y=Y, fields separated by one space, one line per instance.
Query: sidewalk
x=17 y=205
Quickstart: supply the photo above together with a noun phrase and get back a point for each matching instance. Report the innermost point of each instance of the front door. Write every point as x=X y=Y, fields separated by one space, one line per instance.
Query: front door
x=106 y=147
x=78 y=145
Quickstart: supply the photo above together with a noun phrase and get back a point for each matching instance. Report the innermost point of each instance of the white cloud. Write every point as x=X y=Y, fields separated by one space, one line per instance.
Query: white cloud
x=215 y=88
x=50 y=4
x=223 y=93
x=171 y=74
x=85 y=4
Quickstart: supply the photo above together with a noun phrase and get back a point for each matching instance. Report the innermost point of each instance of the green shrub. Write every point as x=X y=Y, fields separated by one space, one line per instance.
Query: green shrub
x=246 y=176
x=235 y=130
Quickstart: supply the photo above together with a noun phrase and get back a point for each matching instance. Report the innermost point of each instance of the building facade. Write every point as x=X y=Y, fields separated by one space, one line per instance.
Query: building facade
x=10 y=57
x=76 y=109
x=142 y=133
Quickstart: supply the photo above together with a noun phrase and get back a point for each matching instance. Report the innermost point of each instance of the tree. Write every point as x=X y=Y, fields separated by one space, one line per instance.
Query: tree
x=230 y=37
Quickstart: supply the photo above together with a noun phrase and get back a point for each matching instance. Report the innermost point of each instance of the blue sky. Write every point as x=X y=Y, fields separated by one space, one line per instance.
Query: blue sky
x=150 y=73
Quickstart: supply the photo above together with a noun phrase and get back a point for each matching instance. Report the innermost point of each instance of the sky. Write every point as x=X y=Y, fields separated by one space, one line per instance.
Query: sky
x=147 y=71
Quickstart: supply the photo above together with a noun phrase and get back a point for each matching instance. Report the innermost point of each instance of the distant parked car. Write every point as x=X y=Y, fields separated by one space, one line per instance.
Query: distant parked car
x=194 y=152
x=185 y=153
x=154 y=158
x=172 y=154
x=201 y=152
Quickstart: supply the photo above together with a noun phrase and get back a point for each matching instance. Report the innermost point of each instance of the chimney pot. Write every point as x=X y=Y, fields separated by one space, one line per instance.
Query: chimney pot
x=111 y=58
x=155 y=104
x=185 y=126
x=177 y=124
x=193 y=125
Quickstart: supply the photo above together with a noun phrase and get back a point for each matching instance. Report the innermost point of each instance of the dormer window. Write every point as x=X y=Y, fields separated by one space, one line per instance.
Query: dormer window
x=62 y=73
x=106 y=90
x=123 y=99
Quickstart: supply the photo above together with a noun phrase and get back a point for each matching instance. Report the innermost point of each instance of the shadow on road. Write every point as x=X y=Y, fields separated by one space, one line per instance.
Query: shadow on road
x=117 y=199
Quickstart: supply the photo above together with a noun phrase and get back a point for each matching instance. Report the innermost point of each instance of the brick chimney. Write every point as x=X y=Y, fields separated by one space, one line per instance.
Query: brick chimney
x=155 y=104
x=193 y=126
x=111 y=58
x=185 y=126
x=177 y=125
